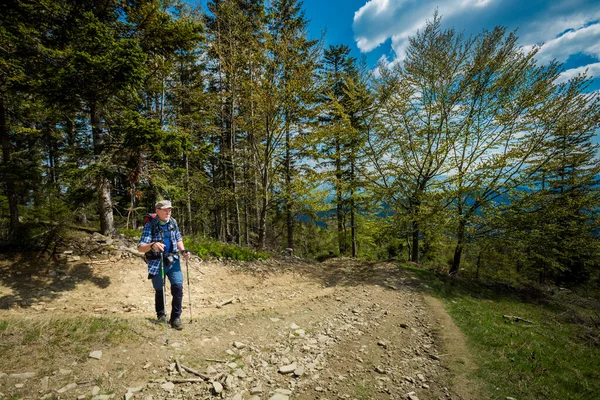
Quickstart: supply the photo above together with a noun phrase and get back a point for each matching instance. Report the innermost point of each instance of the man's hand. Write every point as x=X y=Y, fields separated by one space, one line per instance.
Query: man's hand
x=158 y=246
x=186 y=254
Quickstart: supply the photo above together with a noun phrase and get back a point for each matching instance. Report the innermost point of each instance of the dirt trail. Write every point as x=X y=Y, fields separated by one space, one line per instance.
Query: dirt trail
x=344 y=329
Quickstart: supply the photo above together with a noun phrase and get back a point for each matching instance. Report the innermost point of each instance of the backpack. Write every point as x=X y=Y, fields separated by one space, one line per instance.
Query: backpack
x=151 y=218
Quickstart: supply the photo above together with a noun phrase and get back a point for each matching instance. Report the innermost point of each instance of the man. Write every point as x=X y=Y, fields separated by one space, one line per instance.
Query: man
x=161 y=237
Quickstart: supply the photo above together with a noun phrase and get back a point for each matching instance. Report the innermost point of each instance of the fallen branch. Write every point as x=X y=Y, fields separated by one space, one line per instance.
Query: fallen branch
x=517 y=319
x=231 y=300
x=189 y=380
x=558 y=315
x=179 y=369
x=215 y=360
x=191 y=371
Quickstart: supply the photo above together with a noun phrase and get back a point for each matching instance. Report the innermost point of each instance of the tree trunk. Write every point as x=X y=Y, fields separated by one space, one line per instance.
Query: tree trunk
x=339 y=207
x=105 y=210
x=415 y=232
x=288 y=184
x=353 y=211
x=188 y=200
x=353 y=225
x=262 y=223
x=460 y=240
x=9 y=183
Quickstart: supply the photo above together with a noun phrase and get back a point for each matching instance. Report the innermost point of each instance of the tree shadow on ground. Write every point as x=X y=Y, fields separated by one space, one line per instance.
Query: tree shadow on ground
x=33 y=280
x=342 y=272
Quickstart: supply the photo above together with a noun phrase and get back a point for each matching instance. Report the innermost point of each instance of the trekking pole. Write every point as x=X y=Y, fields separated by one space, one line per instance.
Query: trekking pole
x=164 y=284
x=187 y=272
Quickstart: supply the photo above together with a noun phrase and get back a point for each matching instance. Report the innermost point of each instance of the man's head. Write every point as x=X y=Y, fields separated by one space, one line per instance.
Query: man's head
x=163 y=210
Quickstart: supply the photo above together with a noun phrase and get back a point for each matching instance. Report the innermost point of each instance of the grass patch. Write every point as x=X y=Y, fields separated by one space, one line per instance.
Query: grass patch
x=555 y=356
x=209 y=248
x=49 y=338
x=363 y=390
x=131 y=233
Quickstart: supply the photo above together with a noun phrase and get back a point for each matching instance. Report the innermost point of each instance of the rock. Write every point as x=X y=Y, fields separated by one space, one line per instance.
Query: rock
x=103 y=397
x=232 y=365
x=210 y=370
x=240 y=373
x=274 y=319
x=434 y=357
x=382 y=344
x=285 y=392
x=239 y=345
x=287 y=369
x=412 y=396
x=403 y=326
x=279 y=396
x=95 y=390
x=19 y=385
x=293 y=326
x=96 y=354
x=24 y=375
x=44 y=383
x=217 y=387
x=168 y=387
x=238 y=396
x=256 y=390
x=421 y=377
x=68 y=387
x=299 y=371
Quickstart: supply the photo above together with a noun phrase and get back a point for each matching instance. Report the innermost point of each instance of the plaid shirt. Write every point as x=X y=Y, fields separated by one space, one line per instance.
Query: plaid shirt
x=154 y=265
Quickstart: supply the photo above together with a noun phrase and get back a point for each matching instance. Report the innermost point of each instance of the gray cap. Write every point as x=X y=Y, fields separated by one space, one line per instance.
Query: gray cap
x=163 y=204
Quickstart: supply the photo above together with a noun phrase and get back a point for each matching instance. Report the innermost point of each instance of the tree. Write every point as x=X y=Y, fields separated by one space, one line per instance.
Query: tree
x=415 y=126
x=294 y=58
x=554 y=215
x=335 y=131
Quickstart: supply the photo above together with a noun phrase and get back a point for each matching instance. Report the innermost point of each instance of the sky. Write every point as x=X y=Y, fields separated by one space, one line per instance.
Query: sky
x=568 y=30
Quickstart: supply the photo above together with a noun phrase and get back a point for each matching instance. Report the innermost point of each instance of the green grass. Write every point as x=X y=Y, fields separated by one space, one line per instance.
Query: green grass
x=132 y=233
x=556 y=356
x=48 y=338
x=209 y=248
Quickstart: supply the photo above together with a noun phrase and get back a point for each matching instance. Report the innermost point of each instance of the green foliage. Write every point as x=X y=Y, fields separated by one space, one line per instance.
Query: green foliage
x=131 y=233
x=555 y=355
x=206 y=249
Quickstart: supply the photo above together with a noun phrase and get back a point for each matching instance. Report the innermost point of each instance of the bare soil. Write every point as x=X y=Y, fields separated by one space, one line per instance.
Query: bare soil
x=351 y=329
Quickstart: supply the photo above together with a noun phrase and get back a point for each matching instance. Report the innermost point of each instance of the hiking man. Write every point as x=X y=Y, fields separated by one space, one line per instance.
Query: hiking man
x=161 y=237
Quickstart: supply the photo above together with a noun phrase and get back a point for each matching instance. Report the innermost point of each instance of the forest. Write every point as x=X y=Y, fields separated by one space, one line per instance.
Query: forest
x=467 y=155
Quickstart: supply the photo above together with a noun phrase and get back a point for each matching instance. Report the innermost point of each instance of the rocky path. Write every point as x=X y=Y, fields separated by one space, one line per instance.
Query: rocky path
x=283 y=329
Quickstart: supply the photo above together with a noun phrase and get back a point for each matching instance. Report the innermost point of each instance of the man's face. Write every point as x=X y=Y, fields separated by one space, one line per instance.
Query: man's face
x=164 y=213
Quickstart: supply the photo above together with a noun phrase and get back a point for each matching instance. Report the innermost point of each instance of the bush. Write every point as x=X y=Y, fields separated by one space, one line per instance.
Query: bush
x=209 y=248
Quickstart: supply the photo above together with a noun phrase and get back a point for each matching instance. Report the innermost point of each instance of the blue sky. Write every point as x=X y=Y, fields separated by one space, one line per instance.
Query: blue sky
x=569 y=30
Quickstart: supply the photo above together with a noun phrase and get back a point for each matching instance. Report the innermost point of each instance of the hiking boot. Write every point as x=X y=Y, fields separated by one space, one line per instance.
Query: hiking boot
x=176 y=324
x=162 y=319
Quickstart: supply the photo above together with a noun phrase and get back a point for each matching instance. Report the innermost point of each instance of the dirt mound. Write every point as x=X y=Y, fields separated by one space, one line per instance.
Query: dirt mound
x=281 y=328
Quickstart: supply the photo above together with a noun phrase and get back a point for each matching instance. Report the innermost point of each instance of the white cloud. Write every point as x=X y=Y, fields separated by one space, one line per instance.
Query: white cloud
x=591 y=70
x=584 y=40
x=380 y=20
x=565 y=28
